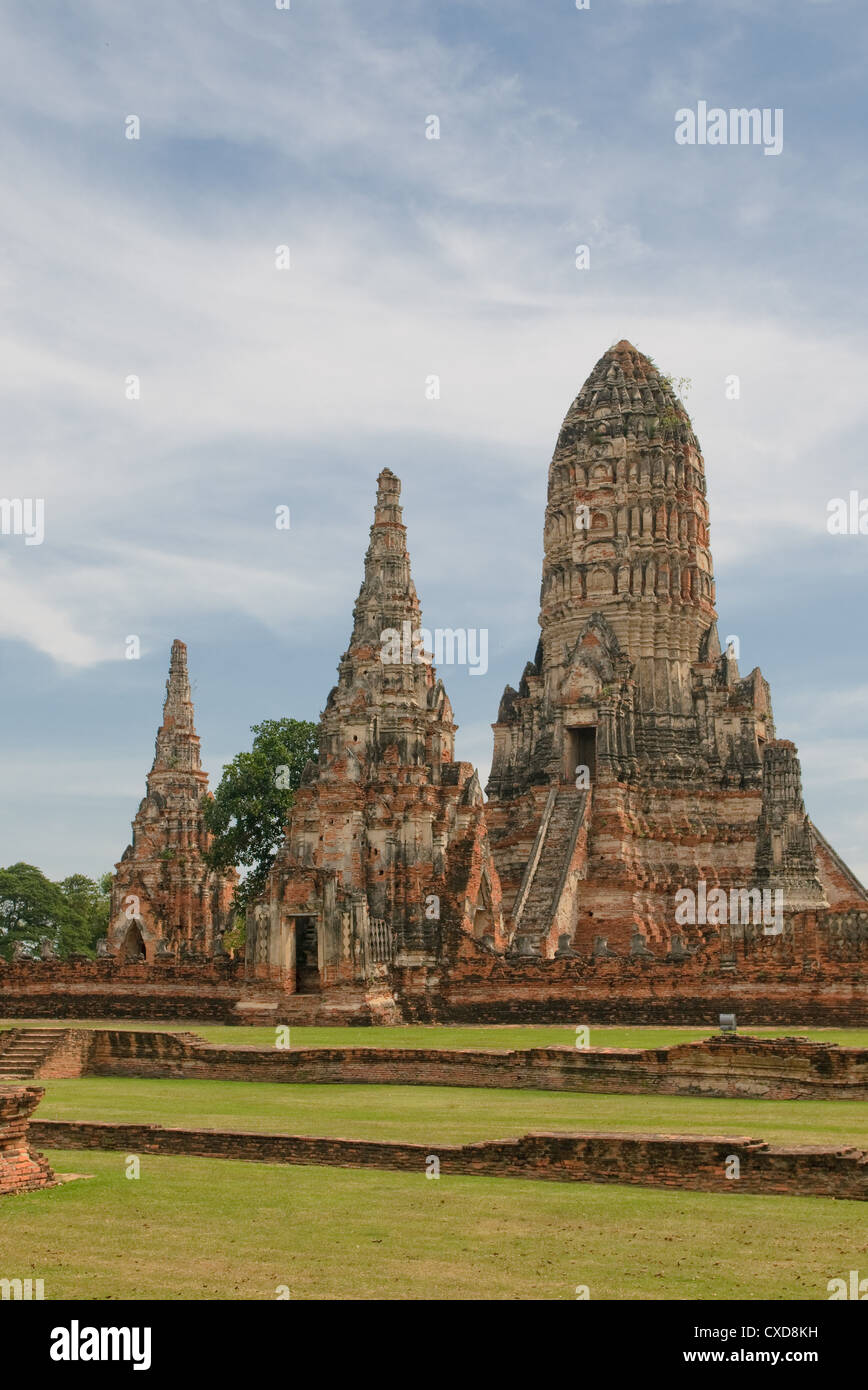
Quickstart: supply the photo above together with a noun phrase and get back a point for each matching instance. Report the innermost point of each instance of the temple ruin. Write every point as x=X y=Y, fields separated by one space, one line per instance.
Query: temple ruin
x=166 y=902
x=634 y=759
x=644 y=854
x=632 y=765
x=22 y=1169
x=386 y=860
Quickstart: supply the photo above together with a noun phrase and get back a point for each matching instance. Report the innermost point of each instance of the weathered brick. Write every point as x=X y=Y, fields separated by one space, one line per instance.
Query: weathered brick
x=649 y=1160
x=21 y=1168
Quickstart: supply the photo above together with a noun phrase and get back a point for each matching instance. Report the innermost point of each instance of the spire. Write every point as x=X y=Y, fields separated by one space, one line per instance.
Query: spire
x=177 y=748
x=182 y=904
x=625 y=386
x=626 y=530
x=388 y=597
x=387 y=695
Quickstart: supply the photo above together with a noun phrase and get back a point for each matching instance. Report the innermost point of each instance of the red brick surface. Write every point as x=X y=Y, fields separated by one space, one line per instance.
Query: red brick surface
x=649 y=1160
x=770 y=1068
x=21 y=1168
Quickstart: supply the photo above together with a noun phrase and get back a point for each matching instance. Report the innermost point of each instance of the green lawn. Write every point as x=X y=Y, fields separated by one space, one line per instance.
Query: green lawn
x=192 y=1228
x=439 y=1114
x=436 y=1035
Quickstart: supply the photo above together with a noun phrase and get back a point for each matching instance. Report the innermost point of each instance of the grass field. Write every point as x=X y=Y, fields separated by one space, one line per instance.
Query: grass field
x=193 y=1228
x=439 y=1114
x=436 y=1035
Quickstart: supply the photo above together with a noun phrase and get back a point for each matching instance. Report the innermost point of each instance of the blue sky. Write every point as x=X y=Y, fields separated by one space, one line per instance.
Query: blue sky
x=409 y=257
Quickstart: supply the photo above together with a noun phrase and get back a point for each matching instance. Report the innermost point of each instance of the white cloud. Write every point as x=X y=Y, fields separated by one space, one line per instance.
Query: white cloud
x=409 y=257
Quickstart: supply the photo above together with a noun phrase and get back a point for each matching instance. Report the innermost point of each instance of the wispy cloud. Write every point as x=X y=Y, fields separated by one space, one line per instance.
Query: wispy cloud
x=409 y=257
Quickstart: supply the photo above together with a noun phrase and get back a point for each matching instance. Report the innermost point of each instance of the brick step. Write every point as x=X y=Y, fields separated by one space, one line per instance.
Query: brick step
x=26 y=1052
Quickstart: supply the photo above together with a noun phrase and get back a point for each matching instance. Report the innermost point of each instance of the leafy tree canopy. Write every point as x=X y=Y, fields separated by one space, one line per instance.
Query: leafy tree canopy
x=69 y=915
x=251 y=805
x=88 y=901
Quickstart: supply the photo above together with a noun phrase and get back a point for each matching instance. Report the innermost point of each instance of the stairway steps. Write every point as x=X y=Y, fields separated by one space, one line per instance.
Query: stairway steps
x=26 y=1052
x=539 y=906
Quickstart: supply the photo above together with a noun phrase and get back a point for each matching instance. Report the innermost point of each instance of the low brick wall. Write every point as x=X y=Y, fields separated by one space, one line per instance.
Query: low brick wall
x=211 y=992
x=810 y=980
x=648 y=1160
x=773 y=1069
x=21 y=1168
x=147 y=1005
x=643 y=992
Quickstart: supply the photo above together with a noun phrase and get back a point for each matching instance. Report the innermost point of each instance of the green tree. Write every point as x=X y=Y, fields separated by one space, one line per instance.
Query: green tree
x=32 y=909
x=251 y=805
x=87 y=901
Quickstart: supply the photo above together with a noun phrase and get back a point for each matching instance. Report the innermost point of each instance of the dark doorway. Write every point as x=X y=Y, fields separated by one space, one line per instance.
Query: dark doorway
x=307 y=979
x=133 y=948
x=581 y=752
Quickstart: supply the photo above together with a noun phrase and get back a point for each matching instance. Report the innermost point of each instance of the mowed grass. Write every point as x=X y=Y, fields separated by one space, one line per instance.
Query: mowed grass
x=445 y=1035
x=440 y=1114
x=192 y=1228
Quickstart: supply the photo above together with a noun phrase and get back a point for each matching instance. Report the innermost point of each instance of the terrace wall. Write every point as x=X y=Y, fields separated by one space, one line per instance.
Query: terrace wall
x=792 y=984
x=781 y=1069
x=813 y=975
x=650 y=1160
x=208 y=992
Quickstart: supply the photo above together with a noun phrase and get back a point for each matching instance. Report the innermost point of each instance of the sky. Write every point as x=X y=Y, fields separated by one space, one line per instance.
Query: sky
x=262 y=386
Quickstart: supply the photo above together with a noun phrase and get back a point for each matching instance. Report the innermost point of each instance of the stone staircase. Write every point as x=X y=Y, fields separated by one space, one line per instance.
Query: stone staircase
x=24 y=1050
x=549 y=862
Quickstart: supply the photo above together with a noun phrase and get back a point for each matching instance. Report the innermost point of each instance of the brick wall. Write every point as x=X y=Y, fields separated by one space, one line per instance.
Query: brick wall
x=730 y=1067
x=106 y=989
x=649 y=1160
x=772 y=982
x=70 y=1056
x=21 y=1168
x=768 y=988
x=210 y=992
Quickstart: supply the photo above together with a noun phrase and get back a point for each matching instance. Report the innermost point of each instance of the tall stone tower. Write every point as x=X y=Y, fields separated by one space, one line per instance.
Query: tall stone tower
x=386 y=855
x=629 y=762
x=165 y=899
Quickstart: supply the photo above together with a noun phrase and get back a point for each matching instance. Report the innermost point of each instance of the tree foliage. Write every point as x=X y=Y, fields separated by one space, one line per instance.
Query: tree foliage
x=88 y=901
x=251 y=805
x=69 y=915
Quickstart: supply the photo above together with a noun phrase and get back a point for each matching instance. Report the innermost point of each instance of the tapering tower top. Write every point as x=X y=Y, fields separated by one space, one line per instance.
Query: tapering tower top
x=388 y=595
x=387 y=689
x=177 y=747
x=626 y=530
